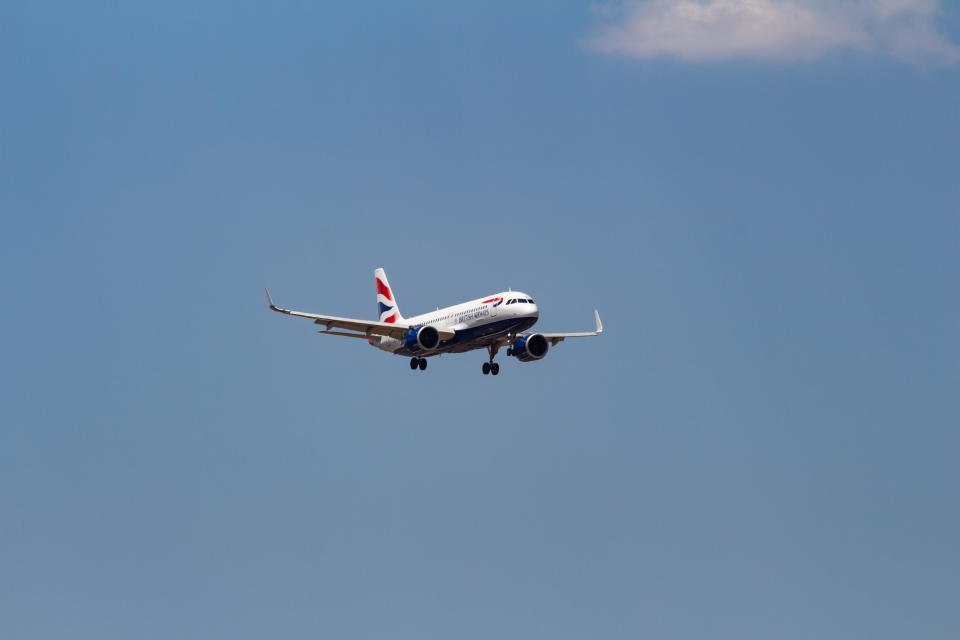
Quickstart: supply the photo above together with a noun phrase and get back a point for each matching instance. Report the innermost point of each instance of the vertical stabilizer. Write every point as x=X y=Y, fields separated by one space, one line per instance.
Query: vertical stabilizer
x=386 y=301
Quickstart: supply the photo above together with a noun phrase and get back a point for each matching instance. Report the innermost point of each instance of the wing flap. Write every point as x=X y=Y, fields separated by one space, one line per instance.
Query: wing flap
x=345 y=334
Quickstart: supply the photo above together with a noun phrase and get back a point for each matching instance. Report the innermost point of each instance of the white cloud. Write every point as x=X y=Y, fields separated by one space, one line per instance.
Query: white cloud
x=696 y=30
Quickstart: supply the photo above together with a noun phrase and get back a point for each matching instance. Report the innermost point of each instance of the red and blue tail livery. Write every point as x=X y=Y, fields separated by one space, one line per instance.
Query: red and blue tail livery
x=386 y=304
x=491 y=322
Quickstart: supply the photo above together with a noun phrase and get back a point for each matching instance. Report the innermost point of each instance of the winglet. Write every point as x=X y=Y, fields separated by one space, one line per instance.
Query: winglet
x=270 y=300
x=596 y=315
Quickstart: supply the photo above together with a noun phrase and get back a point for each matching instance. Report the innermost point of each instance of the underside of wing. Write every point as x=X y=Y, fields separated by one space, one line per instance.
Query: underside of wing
x=554 y=338
x=346 y=334
x=363 y=327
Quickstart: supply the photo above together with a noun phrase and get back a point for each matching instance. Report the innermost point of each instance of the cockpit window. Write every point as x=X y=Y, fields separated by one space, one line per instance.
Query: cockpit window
x=529 y=300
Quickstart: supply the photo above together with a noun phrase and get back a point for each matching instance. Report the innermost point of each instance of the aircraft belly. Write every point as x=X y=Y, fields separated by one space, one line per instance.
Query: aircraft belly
x=475 y=337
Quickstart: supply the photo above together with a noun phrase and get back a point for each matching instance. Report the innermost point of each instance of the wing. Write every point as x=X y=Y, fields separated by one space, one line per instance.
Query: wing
x=554 y=338
x=365 y=327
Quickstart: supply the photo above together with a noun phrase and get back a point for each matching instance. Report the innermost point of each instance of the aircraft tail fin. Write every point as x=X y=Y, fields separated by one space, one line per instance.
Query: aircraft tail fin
x=386 y=301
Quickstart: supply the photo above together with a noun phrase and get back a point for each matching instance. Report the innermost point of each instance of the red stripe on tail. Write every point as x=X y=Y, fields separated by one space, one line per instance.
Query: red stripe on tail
x=383 y=290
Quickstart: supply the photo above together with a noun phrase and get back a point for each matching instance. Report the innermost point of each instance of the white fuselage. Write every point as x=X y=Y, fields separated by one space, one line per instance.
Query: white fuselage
x=476 y=322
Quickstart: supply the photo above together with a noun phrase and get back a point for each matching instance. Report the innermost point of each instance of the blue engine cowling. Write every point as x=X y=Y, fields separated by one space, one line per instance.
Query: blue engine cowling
x=422 y=339
x=529 y=348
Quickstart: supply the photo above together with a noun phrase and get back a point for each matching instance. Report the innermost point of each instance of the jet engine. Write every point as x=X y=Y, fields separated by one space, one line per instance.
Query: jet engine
x=529 y=348
x=425 y=338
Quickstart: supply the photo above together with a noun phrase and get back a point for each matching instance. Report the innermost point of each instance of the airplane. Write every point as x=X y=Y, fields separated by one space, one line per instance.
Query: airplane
x=491 y=322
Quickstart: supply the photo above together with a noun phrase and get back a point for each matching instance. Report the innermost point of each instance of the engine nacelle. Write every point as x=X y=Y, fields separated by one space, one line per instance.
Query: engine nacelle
x=529 y=348
x=425 y=338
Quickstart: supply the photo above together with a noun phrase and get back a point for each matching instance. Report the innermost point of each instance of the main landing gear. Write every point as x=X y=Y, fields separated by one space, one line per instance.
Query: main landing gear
x=491 y=366
x=420 y=363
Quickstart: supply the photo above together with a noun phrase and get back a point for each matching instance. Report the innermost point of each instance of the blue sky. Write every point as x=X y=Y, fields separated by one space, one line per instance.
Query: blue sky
x=762 y=444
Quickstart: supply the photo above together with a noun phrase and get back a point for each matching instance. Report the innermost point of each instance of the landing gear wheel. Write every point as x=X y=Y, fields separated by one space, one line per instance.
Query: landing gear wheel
x=509 y=351
x=494 y=368
x=423 y=364
x=414 y=363
x=486 y=368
